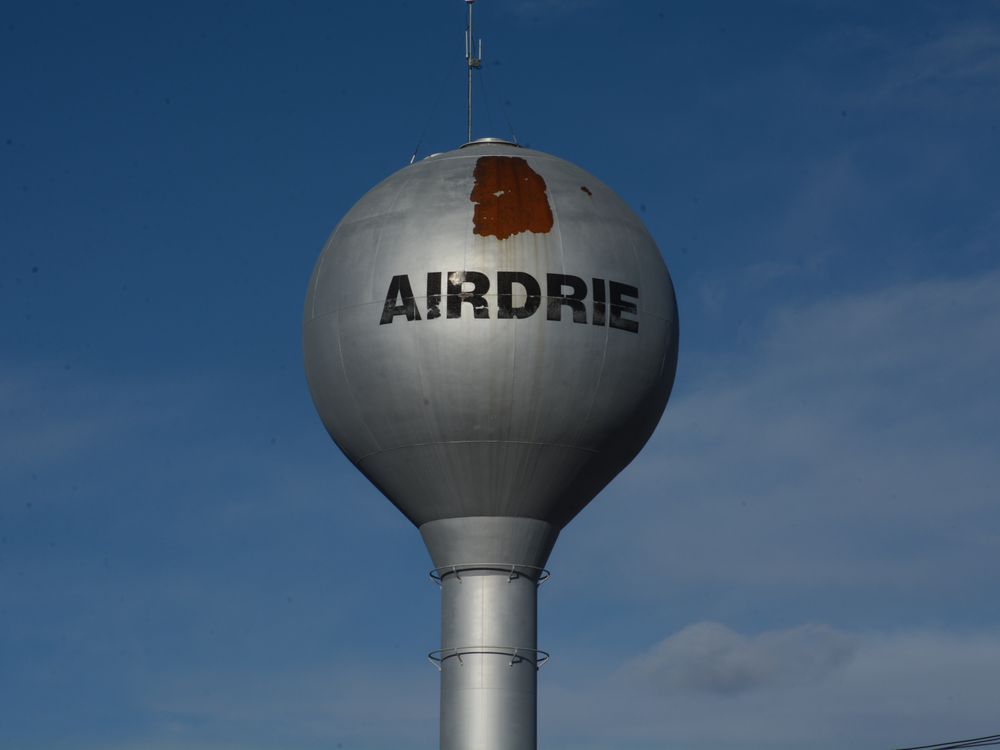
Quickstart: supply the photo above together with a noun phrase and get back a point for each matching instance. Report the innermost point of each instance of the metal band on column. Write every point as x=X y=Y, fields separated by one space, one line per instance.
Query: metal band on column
x=488 y=657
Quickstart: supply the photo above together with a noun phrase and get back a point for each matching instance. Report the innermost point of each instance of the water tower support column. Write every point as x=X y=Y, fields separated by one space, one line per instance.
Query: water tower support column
x=489 y=656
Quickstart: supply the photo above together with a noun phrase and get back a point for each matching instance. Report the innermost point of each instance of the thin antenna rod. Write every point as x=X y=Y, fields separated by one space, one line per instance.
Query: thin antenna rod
x=472 y=61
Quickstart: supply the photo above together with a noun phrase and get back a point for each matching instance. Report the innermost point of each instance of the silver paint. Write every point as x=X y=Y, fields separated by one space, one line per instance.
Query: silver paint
x=489 y=568
x=488 y=434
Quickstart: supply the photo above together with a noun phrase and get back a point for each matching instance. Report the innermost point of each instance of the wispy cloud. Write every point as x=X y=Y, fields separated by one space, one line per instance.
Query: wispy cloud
x=852 y=444
x=710 y=658
x=953 y=66
x=814 y=686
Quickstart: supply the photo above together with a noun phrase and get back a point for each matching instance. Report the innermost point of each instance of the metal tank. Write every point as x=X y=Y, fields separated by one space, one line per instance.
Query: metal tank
x=490 y=336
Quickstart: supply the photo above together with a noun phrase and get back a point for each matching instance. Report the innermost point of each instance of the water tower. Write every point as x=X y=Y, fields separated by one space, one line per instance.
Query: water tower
x=490 y=337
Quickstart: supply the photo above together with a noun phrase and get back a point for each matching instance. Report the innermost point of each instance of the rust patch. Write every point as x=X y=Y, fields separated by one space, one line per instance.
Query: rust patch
x=585 y=189
x=510 y=198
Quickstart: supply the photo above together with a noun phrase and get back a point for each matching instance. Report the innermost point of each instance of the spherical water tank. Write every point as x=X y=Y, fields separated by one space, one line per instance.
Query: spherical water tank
x=490 y=332
x=490 y=336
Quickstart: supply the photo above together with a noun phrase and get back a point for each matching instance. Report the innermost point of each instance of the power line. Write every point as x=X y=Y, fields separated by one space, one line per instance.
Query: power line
x=448 y=71
x=988 y=741
x=503 y=109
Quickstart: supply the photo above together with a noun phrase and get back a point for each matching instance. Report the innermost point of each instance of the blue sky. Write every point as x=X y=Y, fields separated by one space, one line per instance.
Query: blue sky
x=803 y=556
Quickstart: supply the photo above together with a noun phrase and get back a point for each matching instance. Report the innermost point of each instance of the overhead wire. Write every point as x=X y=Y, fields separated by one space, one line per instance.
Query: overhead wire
x=987 y=741
x=503 y=109
x=449 y=69
x=486 y=98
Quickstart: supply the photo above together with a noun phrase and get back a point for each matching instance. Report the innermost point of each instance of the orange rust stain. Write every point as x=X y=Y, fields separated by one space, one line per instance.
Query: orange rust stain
x=585 y=189
x=510 y=198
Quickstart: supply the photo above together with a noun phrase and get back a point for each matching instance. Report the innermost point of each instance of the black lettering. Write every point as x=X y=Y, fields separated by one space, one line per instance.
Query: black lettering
x=399 y=287
x=433 y=295
x=476 y=297
x=600 y=306
x=620 y=307
x=557 y=297
x=505 y=294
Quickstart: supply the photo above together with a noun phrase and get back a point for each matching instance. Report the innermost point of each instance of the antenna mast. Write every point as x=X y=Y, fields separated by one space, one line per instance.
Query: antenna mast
x=473 y=60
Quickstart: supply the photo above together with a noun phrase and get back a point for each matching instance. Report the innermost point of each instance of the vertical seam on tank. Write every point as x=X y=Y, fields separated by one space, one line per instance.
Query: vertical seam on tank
x=558 y=227
x=562 y=267
x=597 y=387
x=319 y=270
x=371 y=294
x=481 y=585
x=638 y=281
x=638 y=272
x=470 y=227
x=378 y=241
x=604 y=355
x=347 y=379
x=420 y=375
x=513 y=375
x=510 y=456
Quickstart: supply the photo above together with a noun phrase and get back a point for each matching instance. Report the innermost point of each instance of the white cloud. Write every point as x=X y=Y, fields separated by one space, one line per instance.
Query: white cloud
x=710 y=658
x=812 y=686
x=854 y=445
x=847 y=460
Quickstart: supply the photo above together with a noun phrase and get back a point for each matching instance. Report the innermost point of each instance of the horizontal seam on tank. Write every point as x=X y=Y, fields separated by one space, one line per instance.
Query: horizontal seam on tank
x=520 y=150
x=475 y=442
x=336 y=310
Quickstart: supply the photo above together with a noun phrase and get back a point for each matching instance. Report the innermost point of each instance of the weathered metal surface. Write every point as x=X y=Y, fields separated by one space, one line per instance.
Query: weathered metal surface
x=489 y=539
x=490 y=364
x=455 y=384
x=488 y=694
x=489 y=569
x=510 y=198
